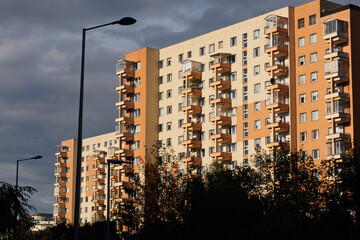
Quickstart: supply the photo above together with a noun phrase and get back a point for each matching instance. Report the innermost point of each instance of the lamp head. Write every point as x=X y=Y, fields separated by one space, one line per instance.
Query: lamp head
x=125 y=21
x=37 y=157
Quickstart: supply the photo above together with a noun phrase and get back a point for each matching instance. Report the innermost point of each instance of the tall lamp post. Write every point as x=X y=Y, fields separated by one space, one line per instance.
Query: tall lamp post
x=109 y=161
x=123 y=21
x=17 y=181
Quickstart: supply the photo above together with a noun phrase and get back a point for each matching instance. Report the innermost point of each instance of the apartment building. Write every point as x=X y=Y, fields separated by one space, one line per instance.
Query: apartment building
x=285 y=79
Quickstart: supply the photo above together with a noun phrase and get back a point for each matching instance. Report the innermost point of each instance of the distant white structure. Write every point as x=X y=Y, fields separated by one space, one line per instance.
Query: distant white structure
x=42 y=221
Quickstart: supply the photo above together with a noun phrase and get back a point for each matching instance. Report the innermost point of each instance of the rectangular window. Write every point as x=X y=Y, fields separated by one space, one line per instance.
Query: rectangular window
x=161 y=80
x=257 y=70
x=246 y=147
x=257 y=34
x=257 y=88
x=244 y=75
x=161 y=94
x=301 y=60
x=257 y=106
x=314 y=96
x=161 y=64
x=313 y=38
x=315 y=115
x=232 y=76
x=232 y=129
x=245 y=111
x=301 y=23
x=316 y=154
x=233 y=41
x=245 y=129
x=181 y=57
x=221 y=44
x=168 y=62
x=202 y=51
x=180 y=122
x=315 y=134
x=169 y=110
x=257 y=144
x=245 y=93
x=256 y=52
x=257 y=124
x=169 y=77
x=168 y=142
x=314 y=77
x=189 y=54
x=211 y=48
x=302 y=98
x=244 y=58
x=244 y=43
x=303 y=137
x=301 y=79
x=160 y=127
x=135 y=113
x=312 y=19
x=301 y=42
x=302 y=117
x=180 y=139
x=168 y=93
x=135 y=145
x=161 y=111
x=168 y=126
x=232 y=94
x=313 y=57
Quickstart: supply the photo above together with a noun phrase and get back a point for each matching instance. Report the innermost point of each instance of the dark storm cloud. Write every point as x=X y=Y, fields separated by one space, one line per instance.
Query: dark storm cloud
x=40 y=44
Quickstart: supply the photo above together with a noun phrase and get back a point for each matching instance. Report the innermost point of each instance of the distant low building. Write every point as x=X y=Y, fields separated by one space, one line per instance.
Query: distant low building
x=42 y=221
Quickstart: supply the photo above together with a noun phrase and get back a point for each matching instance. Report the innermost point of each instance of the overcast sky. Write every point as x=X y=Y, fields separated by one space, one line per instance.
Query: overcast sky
x=40 y=50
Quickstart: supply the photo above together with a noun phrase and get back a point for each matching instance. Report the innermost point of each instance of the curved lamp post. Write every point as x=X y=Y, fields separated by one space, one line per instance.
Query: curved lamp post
x=124 y=21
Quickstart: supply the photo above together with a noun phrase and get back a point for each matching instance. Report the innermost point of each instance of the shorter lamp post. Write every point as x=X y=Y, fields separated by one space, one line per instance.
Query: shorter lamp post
x=17 y=181
x=110 y=161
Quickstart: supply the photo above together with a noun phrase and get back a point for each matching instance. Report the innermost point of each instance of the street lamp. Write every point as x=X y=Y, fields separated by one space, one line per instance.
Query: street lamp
x=110 y=161
x=17 y=180
x=123 y=21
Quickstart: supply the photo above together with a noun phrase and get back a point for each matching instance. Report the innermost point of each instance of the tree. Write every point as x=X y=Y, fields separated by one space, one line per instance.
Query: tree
x=14 y=206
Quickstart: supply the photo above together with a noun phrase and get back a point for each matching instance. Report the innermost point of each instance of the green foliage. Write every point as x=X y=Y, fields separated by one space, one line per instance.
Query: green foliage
x=14 y=208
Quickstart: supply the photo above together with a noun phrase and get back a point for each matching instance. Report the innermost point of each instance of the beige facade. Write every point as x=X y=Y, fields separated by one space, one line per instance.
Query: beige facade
x=284 y=79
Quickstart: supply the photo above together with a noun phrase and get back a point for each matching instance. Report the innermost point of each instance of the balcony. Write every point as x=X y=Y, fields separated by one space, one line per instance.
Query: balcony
x=278 y=107
x=99 y=199
x=276 y=25
x=192 y=126
x=277 y=87
x=191 y=70
x=192 y=91
x=125 y=120
x=337 y=55
x=98 y=159
x=59 y=183
x=338 y=136
x=221 y=100
x=126 y=185
x=192 y=143
x=277 y=70
x=126 y=89
x=282 y=145
x=336 y=31
x=100 y=168
x=126 y=169
x=127 y=105
x=192 y=109
x=60 y=192
x=126 y=136
x=338 y=95
x=221 y=120
x=221 y=64
x=279 y=127
x=338 y=117
x=99 y=189
x=221 y=156
x=60 y=172
x=194 y=161
x=336 y=70
x=125 y=201
x=278 y=50
x=99 y=180
x=60 y=163
x=125 y=152
x=221 y=138
x=221 y=84
x=61 y=154
x=125 y=69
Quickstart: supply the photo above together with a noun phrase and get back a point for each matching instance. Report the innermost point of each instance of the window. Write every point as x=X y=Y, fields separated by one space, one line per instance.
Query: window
x=313 y=57
x=302 y=61
x=161 y=64
x=202 y=51
x=257 y=124
x=315 y=134
x=168 y=142
x=301 y=42
x=316 y=154
x=168 y=62
x=221 y=44
x=314 y=77
x=169 y=110
x=135 y=97
x=314 y=96
x=257 y=144
x=245 y=111
x=160 y=128
x=244 y=42
x=233 y=111
x=302 y=98
x=257 y=106
x=161 y=111
x=135 y=113
x=169 y=77
x=313 y=38
x=168 y=93
x=256 y=52
x=180 y=139
x=257 y=70
x=233 y=41
x=168 y=126
x=135 y=145
x=245 y=129
x=232 y=94
x=244 y=58
x=232 y=76
x=246 y=147
x=257 y=34
x=302 y=117
x=180 y=122
x=232 y=59
x=245 y=93
x=303 y=137
x=189 y=54
x=137 y=65
x=301 y=79
x=315 y=115
x=211 y=48
x=181 y=57
x=257 y=88
x=312 y=19
x=244 y=75
x=301 y=23
x=232 y=129
x=161 y=80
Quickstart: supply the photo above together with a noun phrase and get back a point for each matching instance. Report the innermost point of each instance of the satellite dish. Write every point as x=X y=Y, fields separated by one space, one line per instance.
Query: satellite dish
x=272 y=81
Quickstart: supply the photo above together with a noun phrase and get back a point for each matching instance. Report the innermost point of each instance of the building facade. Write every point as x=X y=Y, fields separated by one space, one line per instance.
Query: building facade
x=285 y=79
